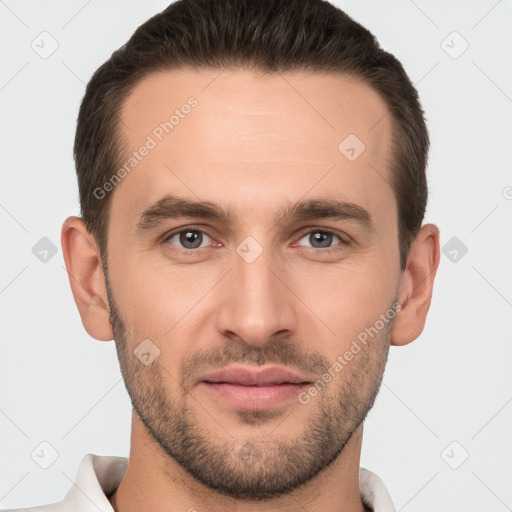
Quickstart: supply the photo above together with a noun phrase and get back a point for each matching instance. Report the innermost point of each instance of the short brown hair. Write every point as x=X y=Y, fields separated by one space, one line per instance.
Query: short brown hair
x=265 y=35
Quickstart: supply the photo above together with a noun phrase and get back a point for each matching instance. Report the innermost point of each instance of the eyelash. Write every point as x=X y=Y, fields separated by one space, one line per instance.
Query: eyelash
x=343 y=240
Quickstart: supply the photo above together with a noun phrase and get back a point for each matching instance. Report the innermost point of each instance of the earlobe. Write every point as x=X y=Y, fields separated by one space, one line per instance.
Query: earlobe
x=416 y=286
x=86 y=278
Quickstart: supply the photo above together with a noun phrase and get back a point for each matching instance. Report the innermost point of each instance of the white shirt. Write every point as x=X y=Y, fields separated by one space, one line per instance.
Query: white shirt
x=100 y=475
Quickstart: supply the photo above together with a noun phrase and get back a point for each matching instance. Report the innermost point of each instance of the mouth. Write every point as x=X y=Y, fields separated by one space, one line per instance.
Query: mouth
x=250 y=388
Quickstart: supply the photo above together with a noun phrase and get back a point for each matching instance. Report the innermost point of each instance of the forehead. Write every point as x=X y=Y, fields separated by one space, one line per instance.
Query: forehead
x=219 y=134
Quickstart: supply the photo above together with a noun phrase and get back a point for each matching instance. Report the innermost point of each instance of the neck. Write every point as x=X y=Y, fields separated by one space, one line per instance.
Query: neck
x=155 y=481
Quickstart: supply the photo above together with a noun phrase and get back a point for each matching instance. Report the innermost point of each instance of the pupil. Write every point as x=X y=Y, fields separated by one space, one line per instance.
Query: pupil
x=190 y=239
x=323 y=239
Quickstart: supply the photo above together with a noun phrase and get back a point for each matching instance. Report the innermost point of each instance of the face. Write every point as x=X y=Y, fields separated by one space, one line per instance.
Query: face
x=246 y=235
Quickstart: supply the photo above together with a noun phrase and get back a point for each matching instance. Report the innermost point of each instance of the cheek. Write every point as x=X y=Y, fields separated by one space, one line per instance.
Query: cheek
x=341 y=303
x=162 y=303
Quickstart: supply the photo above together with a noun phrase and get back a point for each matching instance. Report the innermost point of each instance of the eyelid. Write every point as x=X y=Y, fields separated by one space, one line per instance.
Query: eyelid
x=345 y=239
x=181 y=229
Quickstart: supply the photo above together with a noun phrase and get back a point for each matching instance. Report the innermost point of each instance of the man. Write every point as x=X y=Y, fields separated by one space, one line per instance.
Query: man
x=252 y=187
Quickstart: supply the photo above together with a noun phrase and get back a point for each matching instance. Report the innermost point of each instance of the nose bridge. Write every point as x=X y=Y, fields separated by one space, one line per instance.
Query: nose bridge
x=256 y=304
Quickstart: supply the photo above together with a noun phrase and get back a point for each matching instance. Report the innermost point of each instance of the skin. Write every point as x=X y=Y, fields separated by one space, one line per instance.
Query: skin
x=252 y=144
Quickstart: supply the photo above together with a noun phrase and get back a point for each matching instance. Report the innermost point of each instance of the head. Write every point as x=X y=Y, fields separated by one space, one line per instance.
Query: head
x=252 y=187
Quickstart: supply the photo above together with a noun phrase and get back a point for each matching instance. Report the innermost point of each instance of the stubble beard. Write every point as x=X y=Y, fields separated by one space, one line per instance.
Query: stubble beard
x=253 y=468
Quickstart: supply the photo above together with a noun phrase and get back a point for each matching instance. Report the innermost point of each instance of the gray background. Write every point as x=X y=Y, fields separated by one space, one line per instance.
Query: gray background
x=445 y=397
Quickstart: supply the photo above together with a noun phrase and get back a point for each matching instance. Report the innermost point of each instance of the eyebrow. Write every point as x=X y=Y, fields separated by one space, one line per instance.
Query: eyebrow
x=172 y=207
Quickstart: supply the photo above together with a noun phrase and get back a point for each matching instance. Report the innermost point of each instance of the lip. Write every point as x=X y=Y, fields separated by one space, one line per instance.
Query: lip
x=252 y=376
x=250 y=388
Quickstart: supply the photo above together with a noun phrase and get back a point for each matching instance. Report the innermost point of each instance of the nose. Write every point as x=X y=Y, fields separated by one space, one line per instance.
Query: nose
x=256 y=304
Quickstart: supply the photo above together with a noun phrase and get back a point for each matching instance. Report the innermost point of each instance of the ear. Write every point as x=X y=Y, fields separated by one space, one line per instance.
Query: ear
x=83 y=263
x=416 y=286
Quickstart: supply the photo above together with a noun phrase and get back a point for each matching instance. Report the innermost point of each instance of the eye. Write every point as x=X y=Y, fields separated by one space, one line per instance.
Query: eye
x=189 y=239
x=320 y=239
